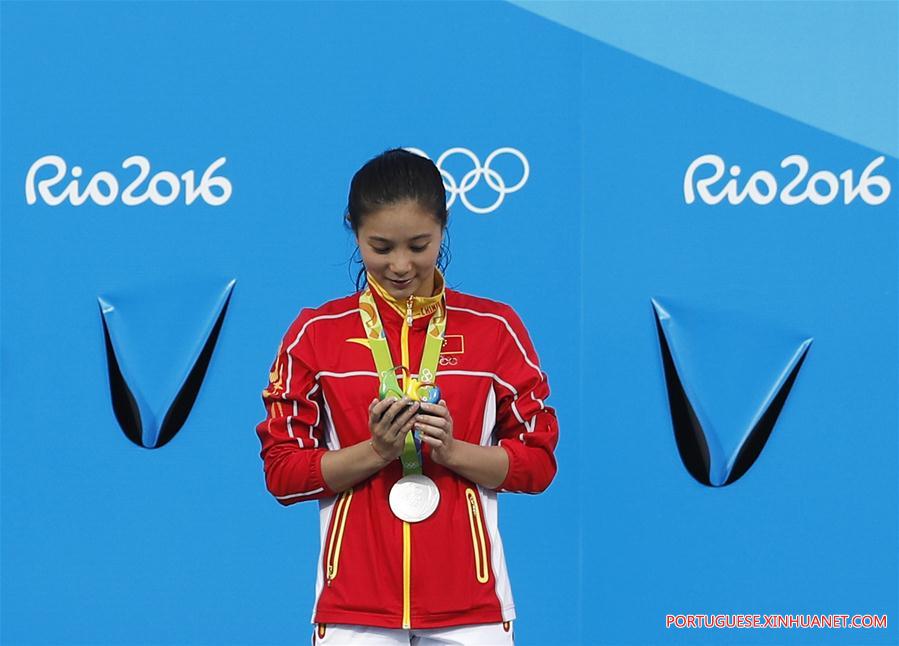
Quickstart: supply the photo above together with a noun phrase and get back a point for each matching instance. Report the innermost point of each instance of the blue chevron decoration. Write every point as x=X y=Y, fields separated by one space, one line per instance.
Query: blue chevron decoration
x=156 y=366
x=727 y=382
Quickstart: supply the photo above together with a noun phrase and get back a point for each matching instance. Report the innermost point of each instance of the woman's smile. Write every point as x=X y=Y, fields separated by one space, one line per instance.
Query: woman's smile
x=400 y=284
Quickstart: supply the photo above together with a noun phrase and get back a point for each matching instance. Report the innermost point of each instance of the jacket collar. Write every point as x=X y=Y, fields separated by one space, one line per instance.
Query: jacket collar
x=421 y=305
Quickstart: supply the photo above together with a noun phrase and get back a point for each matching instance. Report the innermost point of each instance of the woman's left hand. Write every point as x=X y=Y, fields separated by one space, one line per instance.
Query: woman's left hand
x=435 y=424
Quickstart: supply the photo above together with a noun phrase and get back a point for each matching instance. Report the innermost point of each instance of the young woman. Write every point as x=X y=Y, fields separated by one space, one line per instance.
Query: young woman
x=403 y=409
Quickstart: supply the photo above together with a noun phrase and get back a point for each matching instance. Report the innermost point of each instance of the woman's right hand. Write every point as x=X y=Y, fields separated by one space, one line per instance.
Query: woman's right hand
x=388 y=421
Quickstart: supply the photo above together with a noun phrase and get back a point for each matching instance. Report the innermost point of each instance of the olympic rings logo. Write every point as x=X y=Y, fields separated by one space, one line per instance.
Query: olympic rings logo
x=471 y=178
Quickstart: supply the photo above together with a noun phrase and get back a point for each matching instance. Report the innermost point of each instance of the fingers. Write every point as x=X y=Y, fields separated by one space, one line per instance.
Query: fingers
x=405 y=415
x=376 y=408
x=437 y=438
x=398 y=419
x=392 y=418
x=401 y=432
x=436 y=416
x=440 y=410
x=391 y=408
x=440 y=422
x=435 y=443
x=430 y=431
x=379 y=418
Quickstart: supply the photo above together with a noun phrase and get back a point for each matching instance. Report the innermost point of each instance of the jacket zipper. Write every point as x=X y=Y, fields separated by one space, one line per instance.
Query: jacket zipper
x=337 y=528
x=477 y=537
x=407 y=528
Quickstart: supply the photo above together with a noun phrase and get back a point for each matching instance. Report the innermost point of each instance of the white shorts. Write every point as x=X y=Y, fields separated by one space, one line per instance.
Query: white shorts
x=500 y=634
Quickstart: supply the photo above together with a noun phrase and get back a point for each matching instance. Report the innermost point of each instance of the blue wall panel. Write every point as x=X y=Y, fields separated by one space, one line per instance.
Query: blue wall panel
x=104 y=542
x=813 y=523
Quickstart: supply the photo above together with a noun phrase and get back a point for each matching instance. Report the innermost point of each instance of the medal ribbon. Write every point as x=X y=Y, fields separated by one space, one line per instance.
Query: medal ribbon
x=377 y=342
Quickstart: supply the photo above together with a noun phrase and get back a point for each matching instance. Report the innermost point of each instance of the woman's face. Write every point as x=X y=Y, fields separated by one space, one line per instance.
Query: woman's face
x=399 y=246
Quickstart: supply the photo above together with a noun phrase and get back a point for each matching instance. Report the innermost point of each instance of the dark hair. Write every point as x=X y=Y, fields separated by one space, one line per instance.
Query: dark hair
x=396 y=175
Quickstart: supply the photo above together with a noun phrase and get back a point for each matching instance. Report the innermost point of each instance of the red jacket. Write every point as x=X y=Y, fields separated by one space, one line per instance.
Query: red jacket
x=374 y=569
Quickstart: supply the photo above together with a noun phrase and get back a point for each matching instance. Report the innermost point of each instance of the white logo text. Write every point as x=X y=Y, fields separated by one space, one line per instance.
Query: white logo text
x=822 y=187
x=103 y=187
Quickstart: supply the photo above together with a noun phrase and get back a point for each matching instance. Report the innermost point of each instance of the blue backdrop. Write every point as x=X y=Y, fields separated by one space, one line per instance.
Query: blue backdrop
x=105 y=542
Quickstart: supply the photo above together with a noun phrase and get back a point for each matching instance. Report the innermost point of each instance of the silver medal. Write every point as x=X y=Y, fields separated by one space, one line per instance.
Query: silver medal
x=414 y=498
